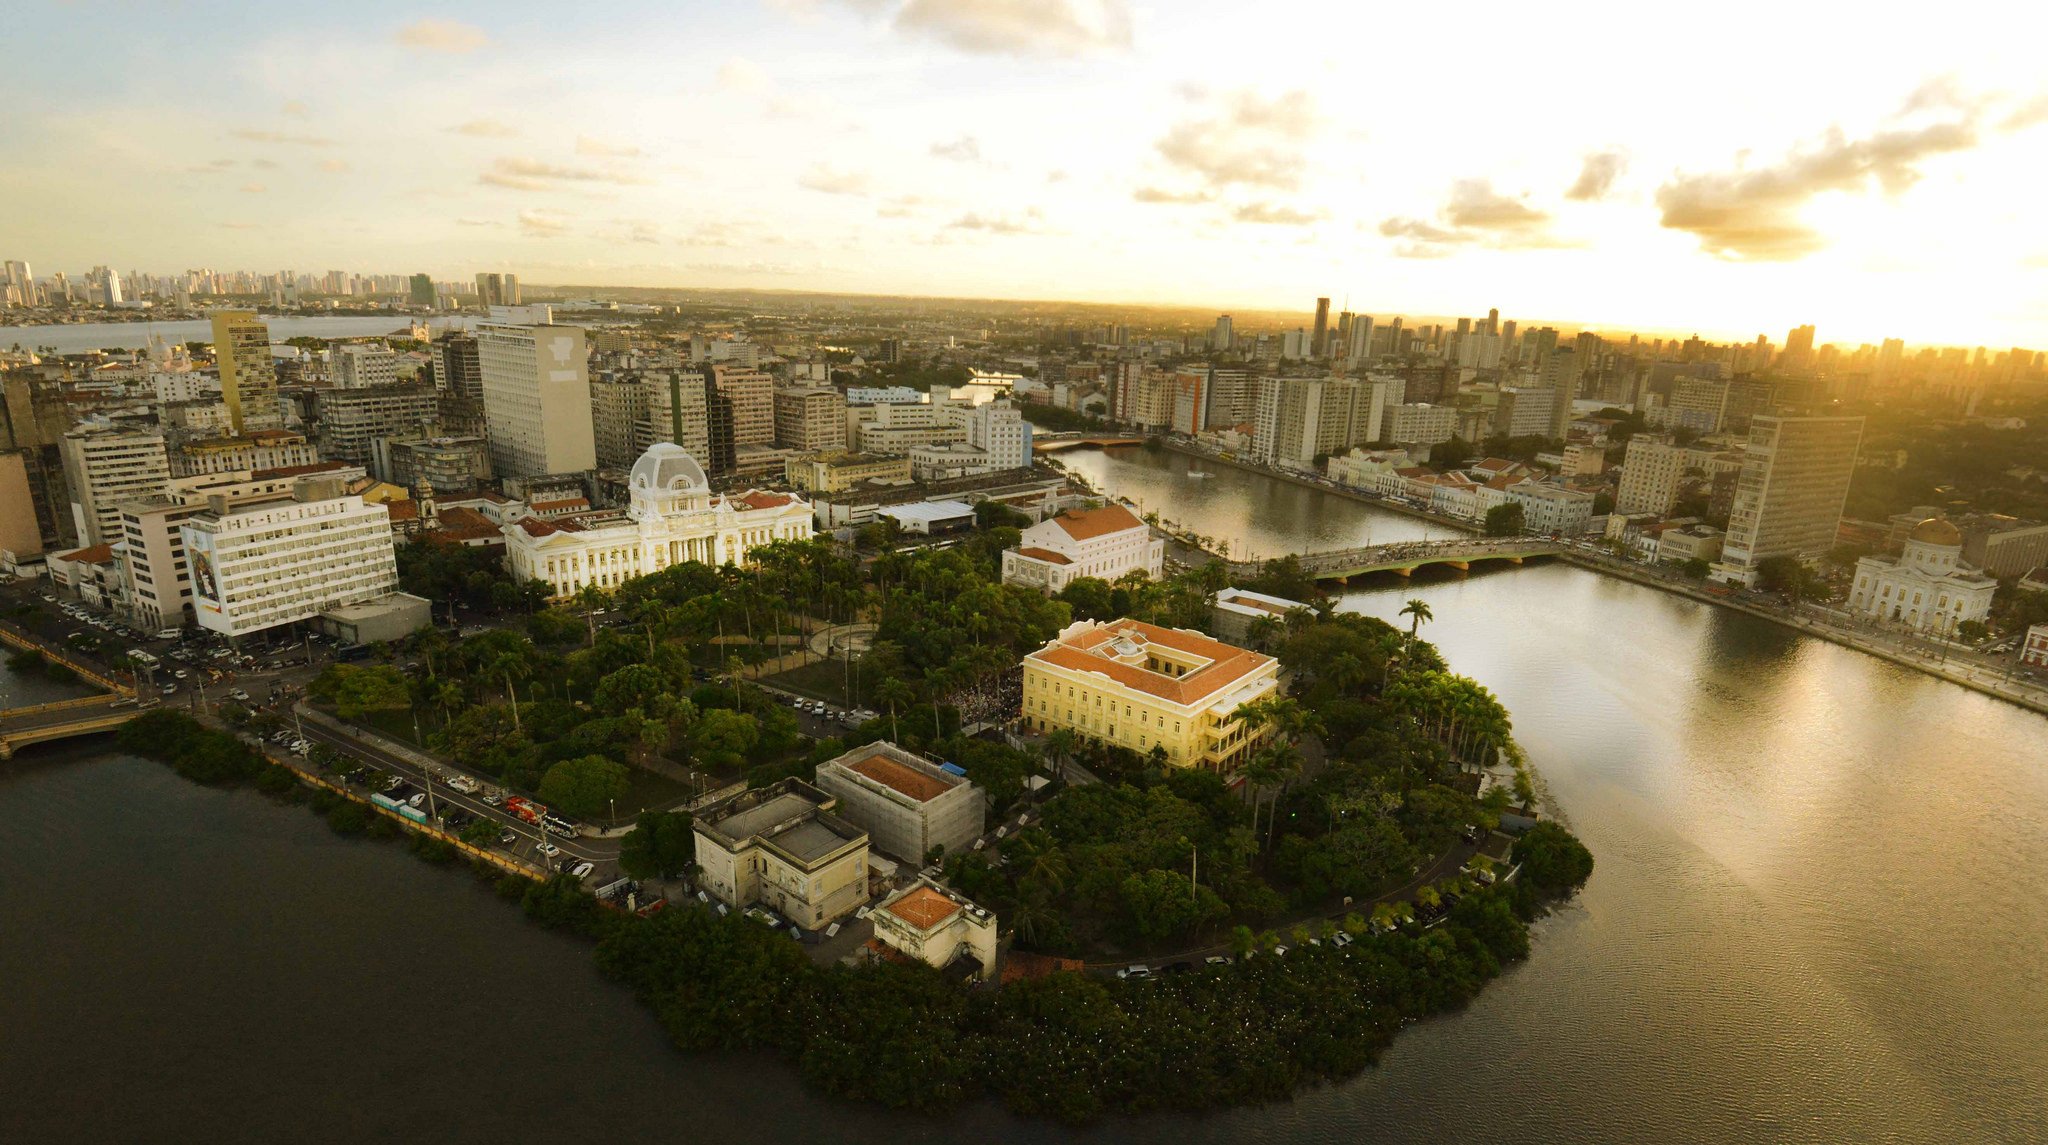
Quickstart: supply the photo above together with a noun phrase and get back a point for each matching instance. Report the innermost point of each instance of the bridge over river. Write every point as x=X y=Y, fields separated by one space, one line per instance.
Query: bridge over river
x=1404 y=557
x=86 y=715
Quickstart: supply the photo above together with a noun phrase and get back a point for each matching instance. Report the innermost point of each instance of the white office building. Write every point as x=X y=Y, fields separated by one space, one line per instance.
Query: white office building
x=360 y=365
x=536 y=382
x=262 y=564
x=104 y=466
x=1105 y=543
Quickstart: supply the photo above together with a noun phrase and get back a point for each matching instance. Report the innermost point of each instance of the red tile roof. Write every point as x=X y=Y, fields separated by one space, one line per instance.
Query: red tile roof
x=923 y=908
x=535 y=527
x=895 y=774
x=1046 y=555
x=755 y=499
x=1227 y=663
x=90 y=555
x=1087 y=524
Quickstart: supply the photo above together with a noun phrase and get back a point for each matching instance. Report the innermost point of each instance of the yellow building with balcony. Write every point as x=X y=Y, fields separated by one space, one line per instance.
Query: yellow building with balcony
x=1130 y=684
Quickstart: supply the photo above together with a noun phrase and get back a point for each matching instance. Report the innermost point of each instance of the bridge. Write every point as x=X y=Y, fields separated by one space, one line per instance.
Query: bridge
x=1404 y=557
x=63 y=719
x=1055 y=442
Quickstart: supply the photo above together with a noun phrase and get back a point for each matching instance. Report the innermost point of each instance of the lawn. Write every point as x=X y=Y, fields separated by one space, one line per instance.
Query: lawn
x=824 y=680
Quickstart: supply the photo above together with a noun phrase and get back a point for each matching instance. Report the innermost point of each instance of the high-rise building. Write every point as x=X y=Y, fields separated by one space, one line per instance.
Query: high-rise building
x=248 y=374
x=353 y=420
x=740 y=402
x=1220 y=339
x=999 y=431
x=359 y=365
x=618 y=404
x=421 y=292
x=1358 y=354
x=1318 y=346
x=263 y=564
x=104 y=466
x=810 y=419
x=1298 y=419
x=1788 y=500
x=456 y=368
x=536 y=391
x=676 y=412
x=1561 y=369
x=21 y=531
x=1231 y=399
x=491 y=290
x=1798 y=353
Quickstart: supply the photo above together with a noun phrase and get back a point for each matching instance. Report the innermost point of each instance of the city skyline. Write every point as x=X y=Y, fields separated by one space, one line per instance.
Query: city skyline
x=1876 y=188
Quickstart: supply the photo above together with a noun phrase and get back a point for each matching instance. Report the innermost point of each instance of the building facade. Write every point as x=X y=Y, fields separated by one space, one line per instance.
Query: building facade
x=263 y=564
x=103 y=467
x=810 y=419
x=908 y=805
x=1928 y=587
x=672 y=518
x=536 y=383
x=929 y=923
x=1135 y=685
x=1789 y=498
x=248 y=374
x=781 y=846
x=1104 y=543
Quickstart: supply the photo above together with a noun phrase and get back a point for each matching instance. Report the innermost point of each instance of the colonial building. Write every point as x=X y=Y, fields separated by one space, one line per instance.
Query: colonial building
x=1139 y=686
x=672 y=518
x=1105 y=543
x=907 y=804
x=931 y=924
x=781 y=846
x=1927 y=587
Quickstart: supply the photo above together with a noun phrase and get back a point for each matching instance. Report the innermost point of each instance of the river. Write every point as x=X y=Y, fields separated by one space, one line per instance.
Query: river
x=1817 y=916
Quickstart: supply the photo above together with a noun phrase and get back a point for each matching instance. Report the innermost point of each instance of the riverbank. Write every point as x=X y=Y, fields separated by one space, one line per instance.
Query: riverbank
x=1335 y=490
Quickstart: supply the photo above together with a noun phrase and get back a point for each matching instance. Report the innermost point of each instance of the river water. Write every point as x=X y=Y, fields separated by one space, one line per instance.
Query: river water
x=1817 y=916
x=79 y=337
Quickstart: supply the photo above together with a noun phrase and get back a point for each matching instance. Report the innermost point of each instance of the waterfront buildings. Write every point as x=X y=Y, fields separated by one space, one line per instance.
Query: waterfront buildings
x=932 y=924
x=1789 y=497
x=1139 y=686
x=672 y=517
x=248 y=374
x=1296 y=420
x=2034 y=653
x=536 y=392
x=1105 y=543
x=781 y=846
x=1236 y=611
x=908 y=805
x=104 y=466
x=1552 y=509
x=1928 y=587
x=265 y=563
x=2004 y=546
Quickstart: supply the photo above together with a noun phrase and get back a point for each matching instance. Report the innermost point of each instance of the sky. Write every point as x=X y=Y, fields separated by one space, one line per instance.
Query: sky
x=1730 y=170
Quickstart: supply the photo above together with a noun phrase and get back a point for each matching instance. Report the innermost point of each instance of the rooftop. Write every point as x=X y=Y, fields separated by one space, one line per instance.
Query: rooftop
x=1046 y=555
x=1087 y=524
x=899 y=776
x=1105 y=649
x=924 y=908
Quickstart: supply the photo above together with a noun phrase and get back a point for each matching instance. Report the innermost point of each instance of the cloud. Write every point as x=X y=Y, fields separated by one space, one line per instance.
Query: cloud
x=241 y=226
x=541 y=224
x=901 y=207
x=1252 y=140
x=521 y=174
x=1028 y=224
x=295 y=109
x=1056 y=176
x=965 y=149
x=585 y=145
x=1473 y=215
x=2026 y=115
x=256 y=135
x=478 y=223
x=333 y=166
x=1274 y=214
x=486 y=129
x=264 y=164
x=823 y=178
x=1753 y=214
x=442 y=36
x=253 y=188
x=1014 y=27
x=1597 y=173
x=1158 y=195
x=740 y=74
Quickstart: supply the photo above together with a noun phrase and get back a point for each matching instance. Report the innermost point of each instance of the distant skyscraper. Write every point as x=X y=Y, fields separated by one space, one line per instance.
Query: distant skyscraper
x=456 y=369
x=1493 y=321
x=497 y=290
x=512 y=296
x=248 y=374
x=1318 y=345
x=1359 y=352
x=1220 y=338
x=422 y=293
x=1798 y=353
x=1795 y=479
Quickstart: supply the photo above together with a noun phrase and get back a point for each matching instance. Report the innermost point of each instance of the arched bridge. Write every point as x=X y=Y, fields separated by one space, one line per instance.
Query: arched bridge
x=1055 y=442
x=1405 y=557
x=88 y=715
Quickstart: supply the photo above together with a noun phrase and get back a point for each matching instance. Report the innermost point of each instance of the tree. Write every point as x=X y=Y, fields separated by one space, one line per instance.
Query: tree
x=1160 y=905
x=1506 y=519
x=1695 y=568
x=482 y=833
x=894 y=694
x=1418 y=612
x=356 y=690
x=661 y=845
x=1090 y=598
x=1449 y=454
x=723 y=737
x=583 y=787
x=1972 y=631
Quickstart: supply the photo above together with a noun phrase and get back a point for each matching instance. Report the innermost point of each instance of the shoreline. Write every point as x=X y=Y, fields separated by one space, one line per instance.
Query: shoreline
x=2033 y=699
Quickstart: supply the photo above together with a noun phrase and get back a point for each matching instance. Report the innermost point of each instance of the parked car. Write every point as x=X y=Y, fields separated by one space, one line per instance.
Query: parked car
x=549 y=849
x=1218 y=960
x=582 y=870
x=1135 y=971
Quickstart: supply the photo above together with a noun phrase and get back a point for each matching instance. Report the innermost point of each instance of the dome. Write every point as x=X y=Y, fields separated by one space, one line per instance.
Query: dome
x=668 y=468
x=1936 y=531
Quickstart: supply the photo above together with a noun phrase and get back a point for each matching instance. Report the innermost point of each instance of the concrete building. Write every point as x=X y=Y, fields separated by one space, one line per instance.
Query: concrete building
x=1788 y=500
x=1651 y=471
x=1689 y=543
x=259 y=565
x=1552 y=509
x=781 y=846
x=536 y=385
x=2034 y=653
x=1105 y=543
x=1418 y=423
x=907 y=804
x=998 y=430
x=362 y=365
x=21 y=533
x=810 y=419
x=827 y=473
x=672 y=517
x=618 y=405
x=939 y=927
x=103 y=467
x=248 y=374
x=257 y=449
x=675 y=411
x=1236 y=611
x=352 y=421
x=1298 y=419
x=1135 y=685
x=740 y=404
x=443 y=464
x=153 y=551
x=458 y=366
x=1928 y=588
x=2004 y=546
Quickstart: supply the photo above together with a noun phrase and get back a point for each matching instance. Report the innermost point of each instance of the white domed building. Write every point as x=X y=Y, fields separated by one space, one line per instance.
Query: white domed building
x=672 y=517
x=1926 y=588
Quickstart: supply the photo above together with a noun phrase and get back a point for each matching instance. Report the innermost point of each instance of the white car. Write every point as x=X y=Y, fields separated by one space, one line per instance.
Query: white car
x=1138 y=971
x=582 y=870
x=549 y=849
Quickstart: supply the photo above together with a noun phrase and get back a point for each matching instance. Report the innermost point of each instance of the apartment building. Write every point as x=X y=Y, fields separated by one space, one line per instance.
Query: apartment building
x=675 y=411
x=838 y=472
x=104 y=466
x=258 y=449
x=618 y=404
x=458 y=366
x=907 y=804
x=443 y=464
x=353 y=420
x=740 y=403
x=782 y=847
x=1105 y=543
x=810 y=419
x=1788 y=500
x=248 y=374
x=1139 y=686
x=362 y=365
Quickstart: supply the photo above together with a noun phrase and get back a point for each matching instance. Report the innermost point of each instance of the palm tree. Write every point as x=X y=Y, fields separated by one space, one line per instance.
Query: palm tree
x=893 y=694
x=511 y=665
x=1061 y=745
x=1417 y=612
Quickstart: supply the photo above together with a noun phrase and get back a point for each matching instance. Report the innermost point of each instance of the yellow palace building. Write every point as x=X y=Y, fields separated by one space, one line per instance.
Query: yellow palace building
x=1140 y=686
